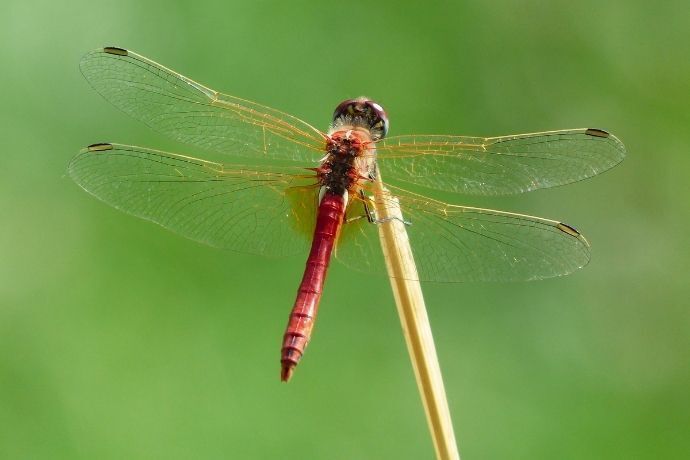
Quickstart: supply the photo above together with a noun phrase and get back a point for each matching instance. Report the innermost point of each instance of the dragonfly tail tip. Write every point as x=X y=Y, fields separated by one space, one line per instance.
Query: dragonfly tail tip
x=286 y=371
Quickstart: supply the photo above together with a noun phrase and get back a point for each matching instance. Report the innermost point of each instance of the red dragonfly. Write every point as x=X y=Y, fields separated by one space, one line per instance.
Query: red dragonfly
x=289 y=181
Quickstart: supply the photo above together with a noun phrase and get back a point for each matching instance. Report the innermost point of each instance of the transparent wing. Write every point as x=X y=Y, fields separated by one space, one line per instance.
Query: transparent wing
x=499 y=165
x=459 y=243
x=243 y=209
x=190 y=112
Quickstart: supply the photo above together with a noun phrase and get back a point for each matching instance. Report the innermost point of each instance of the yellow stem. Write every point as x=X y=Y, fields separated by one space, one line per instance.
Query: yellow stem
x=415 y=322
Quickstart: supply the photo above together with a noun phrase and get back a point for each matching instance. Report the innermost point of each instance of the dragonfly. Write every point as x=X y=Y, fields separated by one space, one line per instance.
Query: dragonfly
x=285 y=187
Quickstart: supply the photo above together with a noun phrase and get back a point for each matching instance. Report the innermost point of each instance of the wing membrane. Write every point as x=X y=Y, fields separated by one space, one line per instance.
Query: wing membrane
x=499 y=165
x=268 y=209
x=243 y=209
x=190 y=112
x=460 y=243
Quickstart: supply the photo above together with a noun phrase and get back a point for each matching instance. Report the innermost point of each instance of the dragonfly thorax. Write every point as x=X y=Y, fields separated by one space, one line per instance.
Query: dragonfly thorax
x=350 y=159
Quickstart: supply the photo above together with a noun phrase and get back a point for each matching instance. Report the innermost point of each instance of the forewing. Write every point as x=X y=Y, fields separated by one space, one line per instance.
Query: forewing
x=190 y=112
x=237 y=208
x=459 y=243
x=499 y=165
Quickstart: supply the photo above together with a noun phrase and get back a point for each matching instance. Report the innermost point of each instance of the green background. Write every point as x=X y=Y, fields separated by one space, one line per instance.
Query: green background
x=121 y=340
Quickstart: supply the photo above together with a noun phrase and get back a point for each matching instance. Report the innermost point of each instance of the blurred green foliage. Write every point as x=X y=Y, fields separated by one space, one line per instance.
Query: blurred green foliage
x=121 y=340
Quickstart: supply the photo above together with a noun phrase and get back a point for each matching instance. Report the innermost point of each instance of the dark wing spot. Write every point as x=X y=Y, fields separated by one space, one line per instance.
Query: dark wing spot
x=99 y=147
x=565 y=228
x=114 y=50
x=596 y=132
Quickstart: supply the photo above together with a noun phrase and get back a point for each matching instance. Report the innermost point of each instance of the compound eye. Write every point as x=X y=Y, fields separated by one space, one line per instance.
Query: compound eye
x=363 y=112
x=345 y=108
x=379 y=120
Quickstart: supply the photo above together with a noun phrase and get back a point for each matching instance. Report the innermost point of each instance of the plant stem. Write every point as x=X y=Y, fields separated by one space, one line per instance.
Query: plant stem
x=407 y=291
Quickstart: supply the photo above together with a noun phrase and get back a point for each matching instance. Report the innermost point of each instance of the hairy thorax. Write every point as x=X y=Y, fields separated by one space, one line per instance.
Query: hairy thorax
x=350 y=161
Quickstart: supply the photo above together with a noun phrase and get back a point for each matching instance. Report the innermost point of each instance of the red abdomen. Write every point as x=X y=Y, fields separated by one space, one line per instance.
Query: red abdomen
x=328 y=222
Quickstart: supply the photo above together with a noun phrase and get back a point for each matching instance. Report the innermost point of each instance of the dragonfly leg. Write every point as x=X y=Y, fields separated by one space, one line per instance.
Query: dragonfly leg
x=368 y=210
x=383 y=221
x=371 y=213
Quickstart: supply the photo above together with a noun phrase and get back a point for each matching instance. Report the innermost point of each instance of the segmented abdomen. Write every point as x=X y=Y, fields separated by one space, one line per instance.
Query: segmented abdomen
x=328 y=222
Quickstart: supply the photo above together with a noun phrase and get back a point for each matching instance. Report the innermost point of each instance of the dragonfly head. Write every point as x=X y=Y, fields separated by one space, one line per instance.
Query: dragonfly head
x=362 y=112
